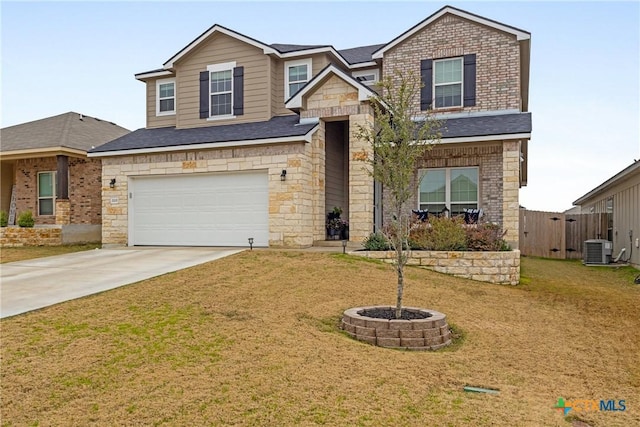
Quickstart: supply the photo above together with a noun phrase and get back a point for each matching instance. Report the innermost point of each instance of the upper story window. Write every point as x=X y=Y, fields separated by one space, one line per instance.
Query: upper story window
x=453 y=188
x=165 y=97
x=46 y=193
x=448 y=83
x=296 y=75
x=221 y=90
x=367 y=77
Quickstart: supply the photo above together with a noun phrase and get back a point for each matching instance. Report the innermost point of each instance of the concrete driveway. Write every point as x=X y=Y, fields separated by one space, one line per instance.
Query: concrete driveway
x=37 y=283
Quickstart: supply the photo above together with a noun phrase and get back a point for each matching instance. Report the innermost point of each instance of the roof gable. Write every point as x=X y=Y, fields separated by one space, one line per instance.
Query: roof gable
x=295 y=102
x=277 y=49
x=212 y=30
x=520 y=34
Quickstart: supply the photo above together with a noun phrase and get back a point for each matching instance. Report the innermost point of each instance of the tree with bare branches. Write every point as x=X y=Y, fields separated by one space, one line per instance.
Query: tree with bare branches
x=400 y=136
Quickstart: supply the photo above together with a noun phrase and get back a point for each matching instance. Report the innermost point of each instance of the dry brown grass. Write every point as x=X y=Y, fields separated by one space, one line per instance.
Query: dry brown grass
x=252 y=340
x=30 y=252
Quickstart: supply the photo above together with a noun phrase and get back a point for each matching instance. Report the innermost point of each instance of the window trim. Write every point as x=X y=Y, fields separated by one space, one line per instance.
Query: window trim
x=447 y=183
x=461 y=82
x=375 y=72
x=288 y=64
x=225 y=66
x=53 y=192
x=158 y=98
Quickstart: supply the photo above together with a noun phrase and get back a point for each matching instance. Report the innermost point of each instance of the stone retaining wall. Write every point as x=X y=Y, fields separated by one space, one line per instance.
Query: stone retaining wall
x=11 y=237
x=431 y=333
x=49 y=235
x=494 y=267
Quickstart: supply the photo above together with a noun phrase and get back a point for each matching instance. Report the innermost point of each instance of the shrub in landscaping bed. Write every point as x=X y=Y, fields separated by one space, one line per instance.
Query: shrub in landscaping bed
x=446 y=234
x=26 y=219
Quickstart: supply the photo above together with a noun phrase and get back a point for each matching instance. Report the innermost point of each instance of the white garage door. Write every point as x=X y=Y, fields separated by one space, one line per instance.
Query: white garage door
x=200 y=210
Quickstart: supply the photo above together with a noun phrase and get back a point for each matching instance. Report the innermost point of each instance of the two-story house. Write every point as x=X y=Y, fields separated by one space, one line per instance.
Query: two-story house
x=248 y=140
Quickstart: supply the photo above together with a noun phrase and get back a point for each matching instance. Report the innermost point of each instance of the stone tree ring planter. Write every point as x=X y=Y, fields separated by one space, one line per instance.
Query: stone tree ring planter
x=425 y=329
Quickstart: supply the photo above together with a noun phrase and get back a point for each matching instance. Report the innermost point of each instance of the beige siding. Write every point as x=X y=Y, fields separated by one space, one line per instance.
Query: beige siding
x=277 y=88
x=497 y=59
x=154 y=121
x=318 y=62
x=218 y=49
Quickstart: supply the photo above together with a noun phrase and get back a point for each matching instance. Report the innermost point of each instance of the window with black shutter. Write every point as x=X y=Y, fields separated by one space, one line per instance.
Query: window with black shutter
x=222 y=91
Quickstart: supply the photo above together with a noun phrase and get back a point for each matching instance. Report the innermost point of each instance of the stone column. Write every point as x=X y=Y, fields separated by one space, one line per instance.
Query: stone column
x=318 y=164
x=510 y=192
x=360 y=182
x=63 y=211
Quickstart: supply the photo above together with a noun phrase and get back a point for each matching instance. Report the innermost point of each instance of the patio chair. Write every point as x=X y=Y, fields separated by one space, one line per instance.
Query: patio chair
x=423 y=214
x=472 y=216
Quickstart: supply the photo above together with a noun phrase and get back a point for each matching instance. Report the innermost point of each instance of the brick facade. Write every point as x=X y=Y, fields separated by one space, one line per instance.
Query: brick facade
x=497 y=89
x=84 y=188
x=497 y=59
x=487 y=157
x=498 y=163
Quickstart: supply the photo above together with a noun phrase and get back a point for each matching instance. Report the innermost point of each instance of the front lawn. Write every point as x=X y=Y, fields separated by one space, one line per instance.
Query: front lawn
x=252 y=340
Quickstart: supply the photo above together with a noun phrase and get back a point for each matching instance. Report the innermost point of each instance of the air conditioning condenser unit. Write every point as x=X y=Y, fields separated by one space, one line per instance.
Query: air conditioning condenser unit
x=597 y=251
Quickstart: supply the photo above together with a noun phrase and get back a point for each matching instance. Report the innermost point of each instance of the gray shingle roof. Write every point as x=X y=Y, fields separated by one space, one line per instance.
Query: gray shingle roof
x=286 y=48
x=487 y=125
x=356 y=55
x=69 y=130
x=277 y=127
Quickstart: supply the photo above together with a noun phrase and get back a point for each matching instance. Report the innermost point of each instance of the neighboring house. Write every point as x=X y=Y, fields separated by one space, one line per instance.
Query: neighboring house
x=619 y=199
x=252 y=140
x=44 y=163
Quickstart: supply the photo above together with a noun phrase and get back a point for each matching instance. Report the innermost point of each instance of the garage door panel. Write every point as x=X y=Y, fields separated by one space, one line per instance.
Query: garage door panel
x=200 y=210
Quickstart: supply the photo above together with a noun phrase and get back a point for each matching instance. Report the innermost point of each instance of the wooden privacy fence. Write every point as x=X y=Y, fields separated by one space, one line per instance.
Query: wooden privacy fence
x=558 y=235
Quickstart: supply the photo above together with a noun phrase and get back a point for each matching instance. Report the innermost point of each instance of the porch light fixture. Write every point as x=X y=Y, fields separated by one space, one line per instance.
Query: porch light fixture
x=251 y=243
x=112 y=183
x=344 y=246
x=283 y=175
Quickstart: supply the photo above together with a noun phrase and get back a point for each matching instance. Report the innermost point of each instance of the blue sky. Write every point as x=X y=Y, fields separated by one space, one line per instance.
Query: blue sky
x=584 y=90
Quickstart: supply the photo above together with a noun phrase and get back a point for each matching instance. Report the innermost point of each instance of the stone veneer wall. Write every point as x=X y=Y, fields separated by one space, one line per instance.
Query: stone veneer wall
x=338 y=100
x=497 y=59
x=493 y=267
x=293 y=215
x=37 y=236
x=511 y=192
